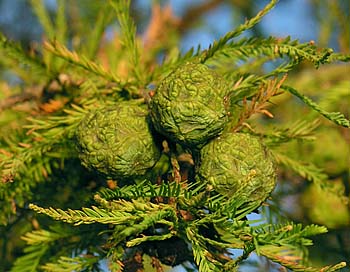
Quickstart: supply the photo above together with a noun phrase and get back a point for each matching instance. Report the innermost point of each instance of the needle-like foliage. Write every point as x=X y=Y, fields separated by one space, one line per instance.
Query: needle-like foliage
x=74 y=219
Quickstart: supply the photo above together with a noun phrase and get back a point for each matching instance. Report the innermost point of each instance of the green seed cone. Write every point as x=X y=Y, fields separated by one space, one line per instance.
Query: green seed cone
x=238 y=165
x=117 y=141
x=189 y=105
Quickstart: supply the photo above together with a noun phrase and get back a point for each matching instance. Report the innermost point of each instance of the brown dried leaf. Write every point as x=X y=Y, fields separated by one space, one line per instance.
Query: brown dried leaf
x=53 y=105
x=258 y=102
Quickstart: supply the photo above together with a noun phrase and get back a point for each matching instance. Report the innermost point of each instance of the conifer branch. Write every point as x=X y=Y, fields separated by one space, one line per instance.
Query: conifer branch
x=137 y=241
x=104 y=17
x=25 y=163
x=44 y=18
x=127 y=216
x=56 y=133
x=143 y=214
x=336 y=267
x=339 y=57
x=45 y=239
x=308 y=171
x=202 y=255
x=86 y=215
x=42 y=236
x=128 y=39
x=67 y=264
x=83 y=62
x=275 y=48
x=217 y=45
x=21 y=59
x=60 y=23
x=300 y=129
x=335 y=95
x=336 y=117
x=147 y=189
x=31 y=260
x=293 y=262
x=280 y=243
x=288 y=234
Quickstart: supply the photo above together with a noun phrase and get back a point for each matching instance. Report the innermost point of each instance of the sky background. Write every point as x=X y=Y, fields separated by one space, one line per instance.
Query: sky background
x=289 y=17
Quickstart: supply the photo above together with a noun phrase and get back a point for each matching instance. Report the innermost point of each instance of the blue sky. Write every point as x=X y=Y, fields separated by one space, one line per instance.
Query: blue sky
x=289 y=17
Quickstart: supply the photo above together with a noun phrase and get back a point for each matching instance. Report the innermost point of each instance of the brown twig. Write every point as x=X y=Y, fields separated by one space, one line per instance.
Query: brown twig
x=258 y=102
